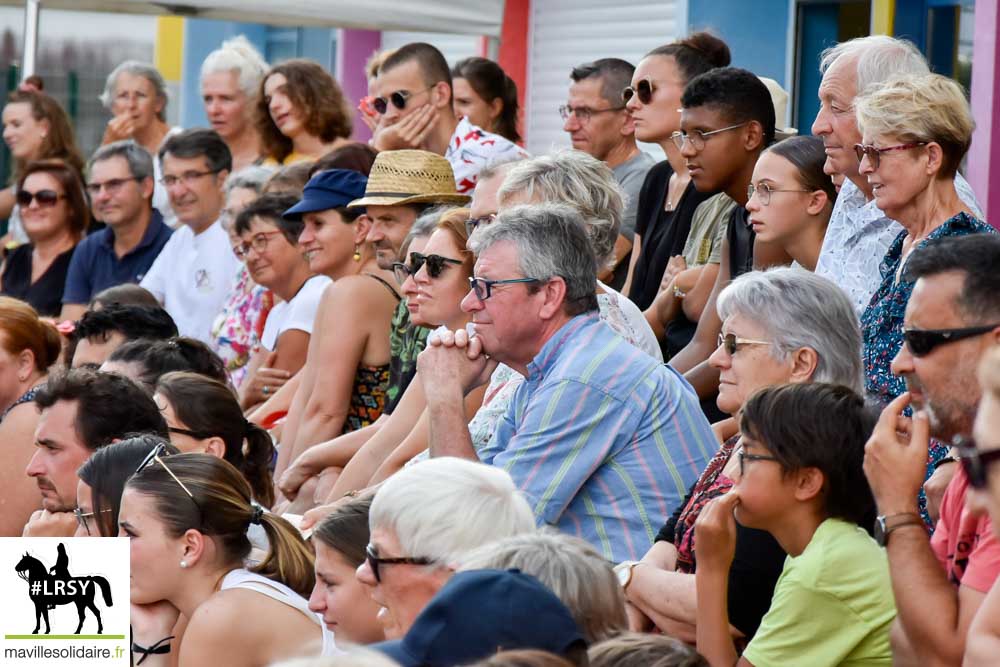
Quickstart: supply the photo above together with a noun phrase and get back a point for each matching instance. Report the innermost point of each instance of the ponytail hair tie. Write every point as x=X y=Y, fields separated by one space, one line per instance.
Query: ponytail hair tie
x=256 y=514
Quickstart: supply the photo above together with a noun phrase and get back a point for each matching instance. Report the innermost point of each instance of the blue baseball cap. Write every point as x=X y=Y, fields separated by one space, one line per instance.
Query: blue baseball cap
x=480 y=612
x=333 y=188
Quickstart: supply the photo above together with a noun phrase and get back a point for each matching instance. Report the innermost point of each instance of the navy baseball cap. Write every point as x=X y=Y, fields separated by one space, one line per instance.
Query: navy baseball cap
x=480 y=612
x=333 y=188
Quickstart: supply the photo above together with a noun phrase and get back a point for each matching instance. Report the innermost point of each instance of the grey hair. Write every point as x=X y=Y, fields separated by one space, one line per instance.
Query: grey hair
x=879 y=58
x=237 y=55
x=551 y=242
x=250 y=178
x=797 y=309
x=140 y=162
x=578 y=179
x=499 y=166
x=570 y=568
x=136 y=68
x=443 y=507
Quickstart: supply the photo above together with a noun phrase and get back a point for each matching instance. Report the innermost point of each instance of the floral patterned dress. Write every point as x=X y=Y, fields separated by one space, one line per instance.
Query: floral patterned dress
x=236 y=331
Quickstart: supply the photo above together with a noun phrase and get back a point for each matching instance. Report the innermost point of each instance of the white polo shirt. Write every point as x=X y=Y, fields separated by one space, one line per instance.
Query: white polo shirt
x=191 y=277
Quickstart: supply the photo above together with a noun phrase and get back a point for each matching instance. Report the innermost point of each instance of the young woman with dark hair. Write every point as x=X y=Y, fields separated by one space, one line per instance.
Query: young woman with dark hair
x=483 y=93
x=203 y=414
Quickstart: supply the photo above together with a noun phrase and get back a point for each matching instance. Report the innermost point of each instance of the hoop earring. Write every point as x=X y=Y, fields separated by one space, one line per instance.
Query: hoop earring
x=357 y=253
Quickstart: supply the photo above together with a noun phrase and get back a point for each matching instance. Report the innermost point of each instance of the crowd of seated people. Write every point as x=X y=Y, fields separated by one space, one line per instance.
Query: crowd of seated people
x=432 y=400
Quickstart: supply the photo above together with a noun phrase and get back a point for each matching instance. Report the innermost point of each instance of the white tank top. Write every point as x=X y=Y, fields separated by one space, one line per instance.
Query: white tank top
x=277 y=591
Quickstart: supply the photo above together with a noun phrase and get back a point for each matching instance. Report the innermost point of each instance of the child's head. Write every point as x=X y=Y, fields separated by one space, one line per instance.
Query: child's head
x=811 y=442
x=738 y=103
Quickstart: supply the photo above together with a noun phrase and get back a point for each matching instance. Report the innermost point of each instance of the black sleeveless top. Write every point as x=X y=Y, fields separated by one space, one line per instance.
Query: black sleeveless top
x=663 y=233
x=46 y=293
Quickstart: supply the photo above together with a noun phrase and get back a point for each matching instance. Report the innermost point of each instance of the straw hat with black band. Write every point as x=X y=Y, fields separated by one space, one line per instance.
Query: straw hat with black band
x=406 y=177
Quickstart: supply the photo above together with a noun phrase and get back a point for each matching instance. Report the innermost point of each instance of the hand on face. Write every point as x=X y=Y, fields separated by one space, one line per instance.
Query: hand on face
x=896 y=458
x=120 y=128
x=44 y=523
x=715 y=533
x=410 y=132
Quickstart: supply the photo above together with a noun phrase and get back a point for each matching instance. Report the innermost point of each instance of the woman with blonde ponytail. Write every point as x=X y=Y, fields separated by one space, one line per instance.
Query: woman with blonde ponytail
x=186 y=517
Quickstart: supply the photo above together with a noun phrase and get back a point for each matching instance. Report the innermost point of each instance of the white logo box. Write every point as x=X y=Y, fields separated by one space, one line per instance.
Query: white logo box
x=35 y=580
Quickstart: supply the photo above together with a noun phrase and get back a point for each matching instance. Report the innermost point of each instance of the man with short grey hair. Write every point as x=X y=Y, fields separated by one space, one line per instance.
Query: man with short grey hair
x=423 y=520
x=859 y=234
x=599 y=124
x=600 y=436
x=121 y=195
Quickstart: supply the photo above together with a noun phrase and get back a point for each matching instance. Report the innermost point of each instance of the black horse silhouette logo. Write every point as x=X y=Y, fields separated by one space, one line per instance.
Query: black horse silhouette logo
x=49 y=587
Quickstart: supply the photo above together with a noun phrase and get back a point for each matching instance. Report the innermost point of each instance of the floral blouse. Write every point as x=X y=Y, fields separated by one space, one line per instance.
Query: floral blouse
x=237 y=330
x=882 y=323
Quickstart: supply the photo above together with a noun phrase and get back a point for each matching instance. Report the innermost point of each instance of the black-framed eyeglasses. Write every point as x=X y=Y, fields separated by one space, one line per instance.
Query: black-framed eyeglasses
x=731 y=343
x=764 y=191
x=644 y=90
x=483 y=288
x=374 y=561
x=156 y=455
x=472 y=224
x=83 y=518
x=398 y=99
x=435 y=265
x=874 y=153
x=922 y=342
x=112 y=185
x=976 y=463
x=189 y=178
x=583 y=114
x=697 y=137
x=258 y=242
x=744 y=457
x=183 y=431
x=45 y=198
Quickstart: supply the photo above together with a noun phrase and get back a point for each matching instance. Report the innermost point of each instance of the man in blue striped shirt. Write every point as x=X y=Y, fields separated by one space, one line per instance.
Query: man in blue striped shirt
x=602 y=439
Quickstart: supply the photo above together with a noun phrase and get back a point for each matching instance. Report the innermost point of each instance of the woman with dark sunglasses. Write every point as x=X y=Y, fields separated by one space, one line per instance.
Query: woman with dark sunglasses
x=187 y=517
x=434 y=280
x=302 y=113
x=668 y=199
x=55 y=216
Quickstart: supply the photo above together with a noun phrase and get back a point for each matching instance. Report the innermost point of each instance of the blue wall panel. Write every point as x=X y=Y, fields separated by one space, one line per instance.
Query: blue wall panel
x=756 y=32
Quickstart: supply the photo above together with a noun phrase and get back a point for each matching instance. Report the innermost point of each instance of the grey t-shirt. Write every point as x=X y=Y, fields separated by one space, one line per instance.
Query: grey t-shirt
x=630 y=175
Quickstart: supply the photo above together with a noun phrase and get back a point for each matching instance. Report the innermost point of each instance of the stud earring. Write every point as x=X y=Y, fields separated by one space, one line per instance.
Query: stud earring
x=357 y=253
x=184 y=564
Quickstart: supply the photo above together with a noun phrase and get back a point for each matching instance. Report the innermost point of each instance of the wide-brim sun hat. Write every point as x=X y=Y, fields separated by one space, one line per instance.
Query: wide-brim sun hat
x=406 y=177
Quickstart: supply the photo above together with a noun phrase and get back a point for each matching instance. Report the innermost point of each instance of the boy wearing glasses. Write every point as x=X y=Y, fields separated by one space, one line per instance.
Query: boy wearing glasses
x=413 y=94
x=801 y=480
x=952 y=321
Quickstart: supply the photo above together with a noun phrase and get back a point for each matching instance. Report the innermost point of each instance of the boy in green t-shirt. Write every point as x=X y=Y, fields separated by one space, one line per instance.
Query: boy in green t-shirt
x=801 y=479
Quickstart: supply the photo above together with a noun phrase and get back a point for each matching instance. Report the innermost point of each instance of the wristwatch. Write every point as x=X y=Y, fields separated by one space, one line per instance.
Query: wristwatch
x=624 y=572
x=885 y=524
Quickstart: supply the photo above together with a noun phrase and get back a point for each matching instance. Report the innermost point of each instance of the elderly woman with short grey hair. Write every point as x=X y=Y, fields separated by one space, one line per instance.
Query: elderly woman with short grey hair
x=785 y=325
x=234 y=332
x=423 y=520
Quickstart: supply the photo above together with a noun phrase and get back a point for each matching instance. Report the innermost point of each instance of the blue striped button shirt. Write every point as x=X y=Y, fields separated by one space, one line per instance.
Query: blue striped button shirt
x=604 y=440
